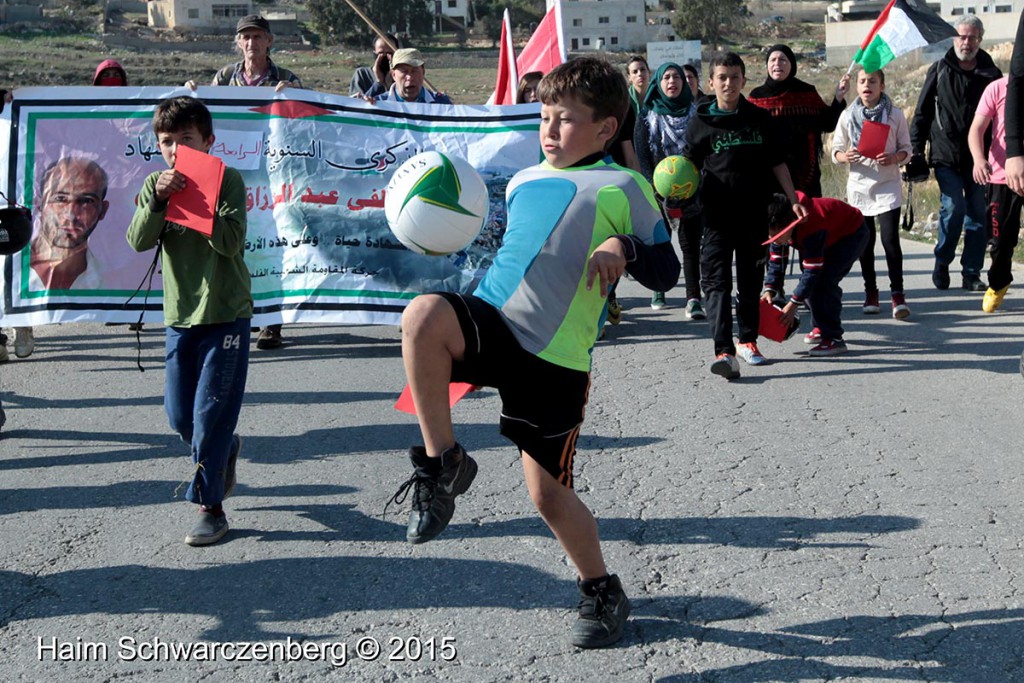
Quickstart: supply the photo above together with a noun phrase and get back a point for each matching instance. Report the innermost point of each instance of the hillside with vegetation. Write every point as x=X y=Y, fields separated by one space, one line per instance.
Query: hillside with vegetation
x=461 y=65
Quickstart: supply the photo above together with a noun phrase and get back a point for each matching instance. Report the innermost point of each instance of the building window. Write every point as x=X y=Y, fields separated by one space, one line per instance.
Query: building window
x=452 y=4
x=602 y=20
x=1002 y=9
x=956 y=11
x=577 y=23
x=229 y=11
x=193 y=13
x=575 y=44
x=614 y=40
x=631 y=20
x=586 y=42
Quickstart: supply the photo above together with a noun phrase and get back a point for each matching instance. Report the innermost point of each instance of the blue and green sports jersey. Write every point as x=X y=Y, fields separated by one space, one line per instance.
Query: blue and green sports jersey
x=556 y=218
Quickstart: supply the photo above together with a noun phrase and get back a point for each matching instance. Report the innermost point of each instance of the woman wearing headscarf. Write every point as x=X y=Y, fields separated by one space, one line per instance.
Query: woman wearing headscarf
x=660 y=132
x=802 y=116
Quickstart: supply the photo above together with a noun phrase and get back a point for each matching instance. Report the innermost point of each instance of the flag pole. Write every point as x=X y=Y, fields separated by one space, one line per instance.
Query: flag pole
x=380 y=34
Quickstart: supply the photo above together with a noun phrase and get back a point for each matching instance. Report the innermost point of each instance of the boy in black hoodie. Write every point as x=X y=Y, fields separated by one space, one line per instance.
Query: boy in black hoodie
x=736 y=146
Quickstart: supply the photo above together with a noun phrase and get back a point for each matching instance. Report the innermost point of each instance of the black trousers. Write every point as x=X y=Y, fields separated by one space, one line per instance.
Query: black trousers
x=888 y=224
x=826 y=300
x=1003 y=217
x=741 y=239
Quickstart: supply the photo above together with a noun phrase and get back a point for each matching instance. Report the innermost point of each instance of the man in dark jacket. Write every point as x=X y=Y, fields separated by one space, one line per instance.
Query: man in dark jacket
x=945 y=110
x=1015 y=115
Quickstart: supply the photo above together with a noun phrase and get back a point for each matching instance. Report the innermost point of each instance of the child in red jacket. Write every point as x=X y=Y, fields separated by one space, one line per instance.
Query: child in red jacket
x=830 y=240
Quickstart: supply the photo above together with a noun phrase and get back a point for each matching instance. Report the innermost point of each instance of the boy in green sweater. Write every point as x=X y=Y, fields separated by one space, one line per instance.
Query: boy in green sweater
x=207 y=310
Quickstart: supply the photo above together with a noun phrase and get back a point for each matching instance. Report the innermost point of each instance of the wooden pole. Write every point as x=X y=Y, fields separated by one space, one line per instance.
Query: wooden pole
x=383 y=36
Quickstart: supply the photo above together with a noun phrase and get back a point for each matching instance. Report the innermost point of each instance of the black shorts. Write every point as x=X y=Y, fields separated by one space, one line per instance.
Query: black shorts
x=542 y=404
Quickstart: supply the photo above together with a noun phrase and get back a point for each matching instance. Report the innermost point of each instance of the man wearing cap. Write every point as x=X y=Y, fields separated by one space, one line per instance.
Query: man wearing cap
x=408 y=70
x=254 y=39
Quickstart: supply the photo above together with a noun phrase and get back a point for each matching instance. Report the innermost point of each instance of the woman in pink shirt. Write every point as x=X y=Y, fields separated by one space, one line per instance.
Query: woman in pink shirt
x=1004 y=206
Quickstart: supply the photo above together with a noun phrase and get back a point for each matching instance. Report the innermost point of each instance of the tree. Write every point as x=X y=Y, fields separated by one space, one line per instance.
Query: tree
x=522 y=13
x=336 y=20
x=706 y=20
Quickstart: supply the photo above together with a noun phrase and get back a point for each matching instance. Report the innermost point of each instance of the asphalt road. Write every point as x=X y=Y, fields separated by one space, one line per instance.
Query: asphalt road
x=854 y=518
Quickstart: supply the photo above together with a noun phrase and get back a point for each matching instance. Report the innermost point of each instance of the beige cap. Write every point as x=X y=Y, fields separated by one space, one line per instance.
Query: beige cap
x=407 y=55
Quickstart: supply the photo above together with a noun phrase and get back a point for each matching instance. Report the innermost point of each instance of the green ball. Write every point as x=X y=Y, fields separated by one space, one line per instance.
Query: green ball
x=676 y=177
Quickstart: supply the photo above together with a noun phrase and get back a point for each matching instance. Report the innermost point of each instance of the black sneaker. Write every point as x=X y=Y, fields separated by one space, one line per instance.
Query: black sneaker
x=604 y=609
x=230 y=475
x=208 y=530
x=940 y=276
x=435 y=483
x=269 y=338
x=973 y=283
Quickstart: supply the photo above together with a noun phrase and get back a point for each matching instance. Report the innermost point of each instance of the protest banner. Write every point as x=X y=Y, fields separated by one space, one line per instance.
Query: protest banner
x=315 y=166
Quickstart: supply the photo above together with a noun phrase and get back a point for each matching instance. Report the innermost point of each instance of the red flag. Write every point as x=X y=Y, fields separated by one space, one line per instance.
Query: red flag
x=508 y=77
x=546 y=47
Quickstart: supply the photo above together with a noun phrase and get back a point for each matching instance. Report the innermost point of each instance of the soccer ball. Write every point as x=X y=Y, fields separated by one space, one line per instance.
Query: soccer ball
x=676 y=177
x=436 y=204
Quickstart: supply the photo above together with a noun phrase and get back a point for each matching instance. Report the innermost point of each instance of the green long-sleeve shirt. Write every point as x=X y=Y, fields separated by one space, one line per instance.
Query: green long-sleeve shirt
x=205 y=280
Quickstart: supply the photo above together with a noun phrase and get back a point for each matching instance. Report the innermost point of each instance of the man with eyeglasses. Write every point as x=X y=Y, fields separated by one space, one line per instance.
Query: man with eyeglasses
x=945 y=109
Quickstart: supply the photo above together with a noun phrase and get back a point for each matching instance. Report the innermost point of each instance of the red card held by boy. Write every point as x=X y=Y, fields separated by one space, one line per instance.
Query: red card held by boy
x=873 y=137
x=456 y=390
x=196 y=205
x=771 y=325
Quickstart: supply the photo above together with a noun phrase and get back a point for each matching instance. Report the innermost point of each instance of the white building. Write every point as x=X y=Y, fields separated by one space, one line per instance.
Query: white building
x=953 y=8
x=616 y=25
x=456 y=13
x=999 y=17
x=198 y=15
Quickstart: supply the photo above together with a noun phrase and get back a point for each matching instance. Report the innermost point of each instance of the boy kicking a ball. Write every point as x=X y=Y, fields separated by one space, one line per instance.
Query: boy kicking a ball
x=576 y=222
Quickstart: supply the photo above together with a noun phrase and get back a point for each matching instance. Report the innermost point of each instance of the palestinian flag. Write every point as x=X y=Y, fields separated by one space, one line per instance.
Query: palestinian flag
x=904 y=25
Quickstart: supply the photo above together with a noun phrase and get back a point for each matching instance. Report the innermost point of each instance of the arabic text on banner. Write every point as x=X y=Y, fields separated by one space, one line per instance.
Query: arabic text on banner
x=315 y=167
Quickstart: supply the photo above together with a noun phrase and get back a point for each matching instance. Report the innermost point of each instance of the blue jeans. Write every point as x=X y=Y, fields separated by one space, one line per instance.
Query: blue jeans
x=962 y=208
x=206 y=370
x=826 y=300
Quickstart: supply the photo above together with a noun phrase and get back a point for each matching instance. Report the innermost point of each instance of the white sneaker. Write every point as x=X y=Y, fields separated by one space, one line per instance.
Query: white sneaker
x=726 y=365
x=751 y=354
x=24 y=342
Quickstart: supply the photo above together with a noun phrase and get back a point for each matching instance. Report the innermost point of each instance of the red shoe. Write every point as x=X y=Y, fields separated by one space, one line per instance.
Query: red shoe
x=829 y=347
x=900 y=309
x=871 y=305
x=813 y=337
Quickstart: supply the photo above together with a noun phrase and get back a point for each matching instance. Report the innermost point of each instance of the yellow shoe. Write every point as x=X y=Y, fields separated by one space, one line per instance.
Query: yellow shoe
x=993 y=299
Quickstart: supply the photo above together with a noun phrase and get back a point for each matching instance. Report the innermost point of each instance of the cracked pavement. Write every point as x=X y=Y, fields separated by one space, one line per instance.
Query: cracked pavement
x=853 y=518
